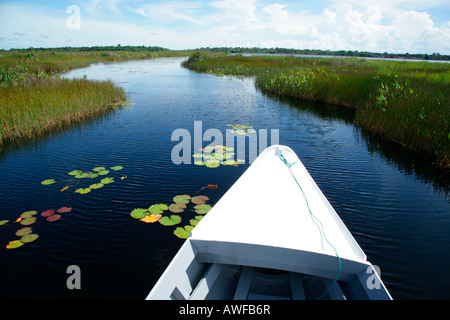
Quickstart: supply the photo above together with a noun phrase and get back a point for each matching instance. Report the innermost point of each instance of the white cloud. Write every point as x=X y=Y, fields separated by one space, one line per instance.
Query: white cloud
x=365 y=25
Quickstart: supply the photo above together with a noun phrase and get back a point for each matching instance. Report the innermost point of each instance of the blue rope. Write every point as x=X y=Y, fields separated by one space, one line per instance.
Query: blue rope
x=289 y=165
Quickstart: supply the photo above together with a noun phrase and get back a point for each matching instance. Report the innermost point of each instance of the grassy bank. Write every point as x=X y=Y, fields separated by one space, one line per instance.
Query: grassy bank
x=35 y=100
x=407 y=102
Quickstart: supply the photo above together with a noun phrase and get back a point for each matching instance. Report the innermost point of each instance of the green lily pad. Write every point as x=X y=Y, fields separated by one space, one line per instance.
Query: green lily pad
x=139 y=213
x=81 y=175
x=196 y=220
x=183 y=233
x=28 y=214
x=212 y=165
x=28 y=221
x=75 y=172
x=2 y=222
x=93 y=175
x=103 y=172
x=98 y=169
x=170 y=221
x=96 y=186
x=158 y=208
x=202 y=208
x=117 y=168
x=14 y=244
x=107 y=180
x=200 y=163
x=29 y=238
x=24 y=231
x=48 y=182
x=230 y=163
x=83 y=191
x=182 y=199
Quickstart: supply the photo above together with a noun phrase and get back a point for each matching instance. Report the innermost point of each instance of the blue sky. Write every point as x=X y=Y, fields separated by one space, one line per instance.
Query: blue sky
x=366 y=25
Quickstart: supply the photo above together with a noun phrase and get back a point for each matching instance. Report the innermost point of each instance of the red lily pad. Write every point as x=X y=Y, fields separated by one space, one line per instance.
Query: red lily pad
x=54 y=217
x=48 y=213
x=64 y=210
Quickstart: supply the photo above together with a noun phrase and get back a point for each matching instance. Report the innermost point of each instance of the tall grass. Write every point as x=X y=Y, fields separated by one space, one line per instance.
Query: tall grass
x=28 y=111
x=34 y=100
x=407 y=102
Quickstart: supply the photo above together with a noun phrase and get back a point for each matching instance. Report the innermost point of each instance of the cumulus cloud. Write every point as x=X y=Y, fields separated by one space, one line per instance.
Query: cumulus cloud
x=364 y=25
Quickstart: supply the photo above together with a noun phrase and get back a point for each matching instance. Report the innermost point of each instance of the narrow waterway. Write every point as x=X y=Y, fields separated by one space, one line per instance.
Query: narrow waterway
x=394 y=208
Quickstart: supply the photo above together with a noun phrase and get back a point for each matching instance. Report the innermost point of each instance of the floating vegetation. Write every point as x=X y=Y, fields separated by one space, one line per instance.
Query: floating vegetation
x=29 y=218
x=181 y=204
x=183 y=233
x=170 y=221
x=241 y=129
x=158 y=208
x=213 y=157
x=151 y=218
x=79 y=176
x=48 y=182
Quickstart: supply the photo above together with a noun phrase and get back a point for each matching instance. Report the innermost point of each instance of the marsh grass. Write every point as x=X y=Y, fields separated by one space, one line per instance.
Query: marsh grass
x=35 y=100
x=28 y=111
x=403 y=101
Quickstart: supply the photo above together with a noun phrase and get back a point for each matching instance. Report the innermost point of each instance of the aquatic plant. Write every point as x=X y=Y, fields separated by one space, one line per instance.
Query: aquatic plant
x=170 y=221
x=183 y=233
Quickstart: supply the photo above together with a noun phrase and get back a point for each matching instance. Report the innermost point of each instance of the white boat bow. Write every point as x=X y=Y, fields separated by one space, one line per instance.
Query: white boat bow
x=273 y=235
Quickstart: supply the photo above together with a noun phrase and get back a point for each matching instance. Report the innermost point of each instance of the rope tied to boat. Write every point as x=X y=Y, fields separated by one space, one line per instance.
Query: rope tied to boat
x=321 y=229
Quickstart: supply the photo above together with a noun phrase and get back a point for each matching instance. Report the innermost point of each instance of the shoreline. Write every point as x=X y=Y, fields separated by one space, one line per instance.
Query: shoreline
x=402 y=101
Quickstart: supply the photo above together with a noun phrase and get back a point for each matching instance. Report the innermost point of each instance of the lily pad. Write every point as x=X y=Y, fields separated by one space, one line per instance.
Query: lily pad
x=83 y=191
x=23 y=232
x=107 y=180
x=64 y=210
x=117 y=168
x=2 y=222
x=177 y=207
x=139 y=213
x=183 y=233
x=28 y=214
x=182 y=199
x=158 y=208
x=152 y=218
x=29 y=238
x=93 y=175
x=197 y=155
x=48 y=182
x=103 y=172
x=170 y=221
x=48 y=213
x=212 y=165
x=96 y=186
x=199 y=199
x=98 y=169
x=54 y=217
x=28 y=221
x=196 y=220
x=75 y=172
x=14 y=244
x=202 y=208
x=81 y=175
x=200 y=163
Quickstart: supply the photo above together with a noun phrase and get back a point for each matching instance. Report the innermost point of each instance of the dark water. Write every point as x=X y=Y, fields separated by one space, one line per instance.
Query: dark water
x=397 y=212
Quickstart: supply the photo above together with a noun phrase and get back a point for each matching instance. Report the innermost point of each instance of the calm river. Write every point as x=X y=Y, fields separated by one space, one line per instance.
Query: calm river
x=396 y=211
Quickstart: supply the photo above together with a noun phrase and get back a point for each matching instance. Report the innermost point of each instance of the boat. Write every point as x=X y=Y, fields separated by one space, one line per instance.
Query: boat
x=272 y=236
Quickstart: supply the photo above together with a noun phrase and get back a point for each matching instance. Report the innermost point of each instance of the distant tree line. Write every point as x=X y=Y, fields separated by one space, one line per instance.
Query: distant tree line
x=344 y=53
x=348 y=53
x=96 y=48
